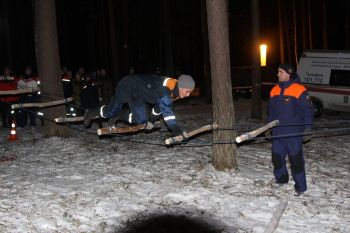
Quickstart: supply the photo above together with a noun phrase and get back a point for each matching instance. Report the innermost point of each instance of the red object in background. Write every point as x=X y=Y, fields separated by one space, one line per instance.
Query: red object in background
x=8 y=86
x=13 y=135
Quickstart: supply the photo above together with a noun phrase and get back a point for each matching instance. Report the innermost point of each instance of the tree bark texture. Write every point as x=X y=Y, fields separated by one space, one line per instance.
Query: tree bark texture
x=113 y=42
x=281 y=32
x=256 y=111
x=295 y=35
x=309 y=23
x=286 y=29
x=303 y=26
x=224 y=154
x=324 y=25
x=48 y=60
x=347 y=25
x=206 y=62
x=167 y=64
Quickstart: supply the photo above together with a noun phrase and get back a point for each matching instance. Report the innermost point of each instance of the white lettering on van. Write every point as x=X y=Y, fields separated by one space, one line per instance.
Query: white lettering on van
x=314 y=78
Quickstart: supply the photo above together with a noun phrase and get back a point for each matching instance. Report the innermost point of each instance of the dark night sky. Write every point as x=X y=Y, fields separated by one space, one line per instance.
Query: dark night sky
x=84 y=32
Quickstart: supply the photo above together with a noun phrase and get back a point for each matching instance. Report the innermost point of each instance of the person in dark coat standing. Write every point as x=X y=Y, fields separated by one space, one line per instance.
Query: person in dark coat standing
x=141 y=91
x=290 y=104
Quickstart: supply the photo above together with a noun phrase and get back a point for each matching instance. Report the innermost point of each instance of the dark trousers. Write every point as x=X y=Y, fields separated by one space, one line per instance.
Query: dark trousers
x=25 y=113
x=6 y=116
x=293 y=148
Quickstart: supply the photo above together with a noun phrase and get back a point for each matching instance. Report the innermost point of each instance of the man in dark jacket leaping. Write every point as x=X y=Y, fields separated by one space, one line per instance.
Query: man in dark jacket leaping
x=291 y=105
x=139 y=91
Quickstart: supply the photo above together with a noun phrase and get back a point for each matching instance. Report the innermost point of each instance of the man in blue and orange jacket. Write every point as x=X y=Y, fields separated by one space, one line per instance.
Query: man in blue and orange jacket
x=140 y=91
x=290 y=104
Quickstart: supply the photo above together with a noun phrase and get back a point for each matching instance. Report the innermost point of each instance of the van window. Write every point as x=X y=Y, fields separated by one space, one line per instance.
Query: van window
x=340 y=78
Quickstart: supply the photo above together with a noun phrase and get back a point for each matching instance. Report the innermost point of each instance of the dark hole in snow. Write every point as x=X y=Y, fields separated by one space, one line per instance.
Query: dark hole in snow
x=169 y=224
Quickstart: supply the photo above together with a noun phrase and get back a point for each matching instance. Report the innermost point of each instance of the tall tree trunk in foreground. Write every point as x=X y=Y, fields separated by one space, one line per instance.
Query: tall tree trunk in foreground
x=256 y=111
x=224 y=155
x=48 y=61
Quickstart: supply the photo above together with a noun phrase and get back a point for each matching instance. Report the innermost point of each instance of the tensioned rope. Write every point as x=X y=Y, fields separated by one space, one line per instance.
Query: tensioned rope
x=238 y=128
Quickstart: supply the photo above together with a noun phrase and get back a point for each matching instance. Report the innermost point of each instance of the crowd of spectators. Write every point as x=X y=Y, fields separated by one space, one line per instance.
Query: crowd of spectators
x=88 y=89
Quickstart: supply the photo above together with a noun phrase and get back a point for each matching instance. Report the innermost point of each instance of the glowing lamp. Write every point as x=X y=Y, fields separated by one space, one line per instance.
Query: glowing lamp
x=263 y=50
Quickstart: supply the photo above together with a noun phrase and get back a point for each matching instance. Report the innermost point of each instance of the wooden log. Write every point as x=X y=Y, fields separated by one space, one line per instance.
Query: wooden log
x=120 y=130
x=68 y=119
x=190 y=134
x=130 y=129
x=41 y=105
x=276 y=216
x=256 y=132
x=19 y=91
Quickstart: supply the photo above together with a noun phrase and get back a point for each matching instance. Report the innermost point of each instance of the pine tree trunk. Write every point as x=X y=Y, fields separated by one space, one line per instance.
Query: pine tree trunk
x=167 y=66
x=347 y=23
x=286 y=30
x=7 y=36
x=309 y=23
x=206 y=62
x=48 y=61
x=103 y=47
x=295 y=36
x=113 y=41
x=224 y=155
x=256 y=111
x=303 y=26
x=281 y=32
x=324 y=25
x=125 y=37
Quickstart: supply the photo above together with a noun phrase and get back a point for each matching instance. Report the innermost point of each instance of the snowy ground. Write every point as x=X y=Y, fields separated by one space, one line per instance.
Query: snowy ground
x=87 y=184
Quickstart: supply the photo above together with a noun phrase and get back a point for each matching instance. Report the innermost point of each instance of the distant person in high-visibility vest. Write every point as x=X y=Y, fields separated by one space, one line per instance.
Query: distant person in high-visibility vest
x=290 y=104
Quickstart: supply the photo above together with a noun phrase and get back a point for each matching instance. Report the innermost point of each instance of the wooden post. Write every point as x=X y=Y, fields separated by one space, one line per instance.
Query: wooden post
x=277 y=214
x=42 y=105
x=256 y=132
x=180 y=138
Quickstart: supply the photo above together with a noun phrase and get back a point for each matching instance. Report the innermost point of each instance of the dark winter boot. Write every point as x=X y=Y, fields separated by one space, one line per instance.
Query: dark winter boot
x=90 y=114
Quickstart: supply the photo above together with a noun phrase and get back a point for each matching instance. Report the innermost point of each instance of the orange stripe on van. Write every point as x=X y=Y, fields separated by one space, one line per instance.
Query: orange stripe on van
x=295 y=90
x=276 y=90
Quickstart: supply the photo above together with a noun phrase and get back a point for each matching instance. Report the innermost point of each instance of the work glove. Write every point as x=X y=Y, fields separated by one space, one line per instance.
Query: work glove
x=307 y=135
x=90 y=114
x=149 y=126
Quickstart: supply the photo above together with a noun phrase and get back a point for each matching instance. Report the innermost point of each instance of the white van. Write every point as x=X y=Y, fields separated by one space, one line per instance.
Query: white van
x=326 y=75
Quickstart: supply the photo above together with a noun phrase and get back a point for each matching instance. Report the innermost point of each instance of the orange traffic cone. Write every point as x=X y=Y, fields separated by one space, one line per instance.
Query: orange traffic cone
x=13 y=136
